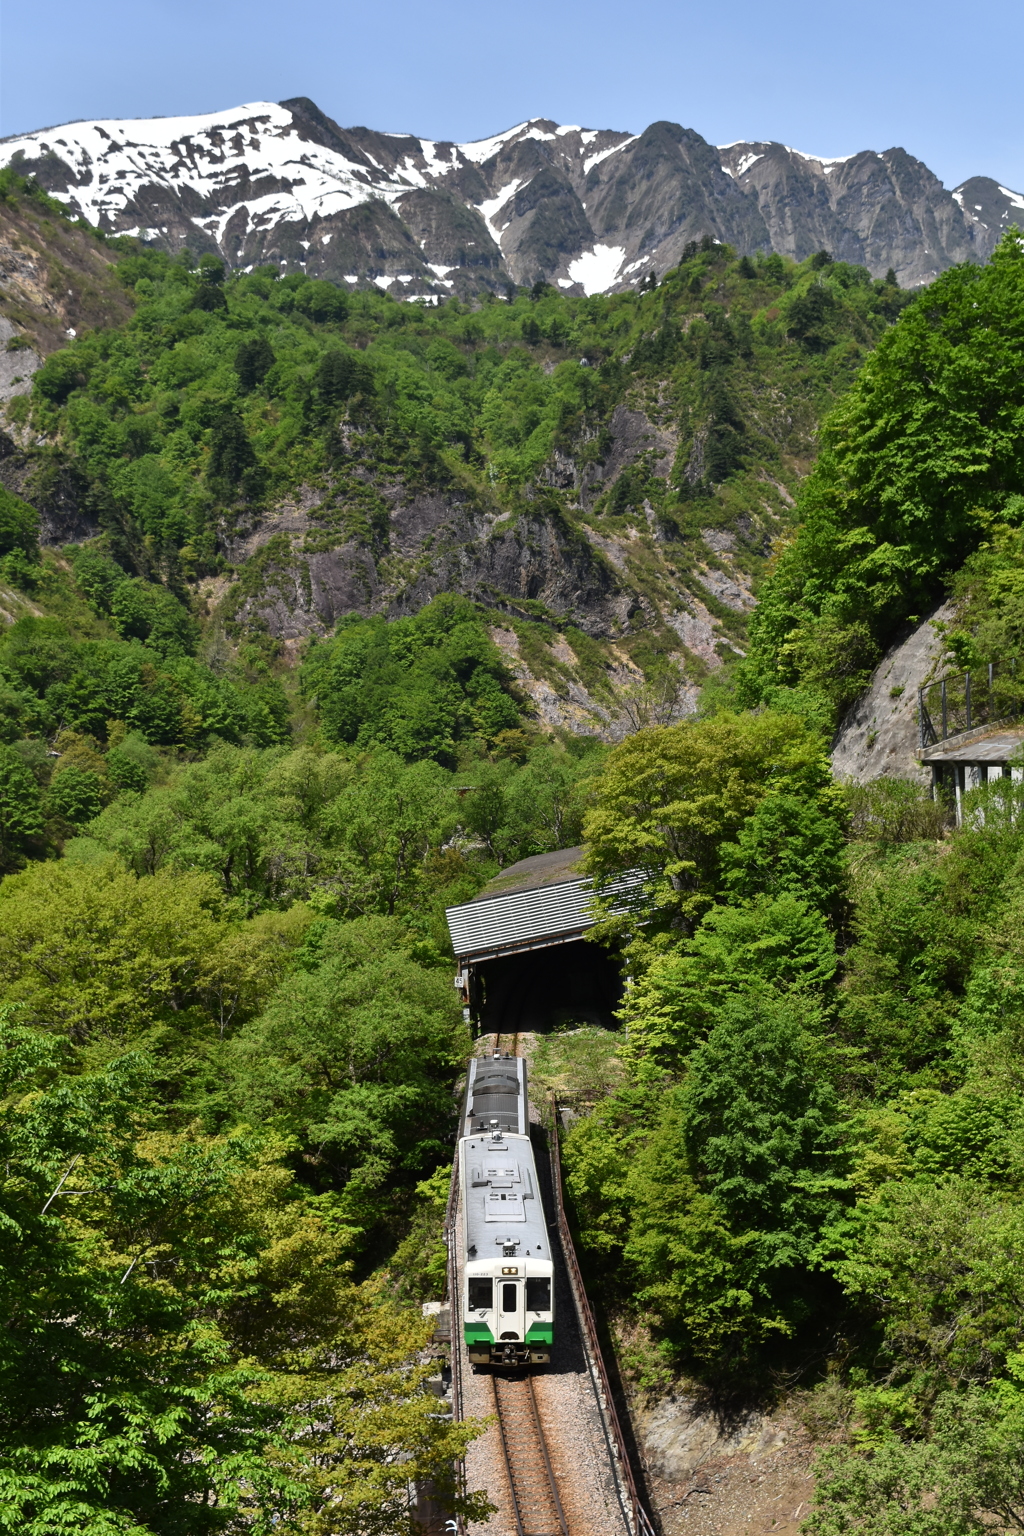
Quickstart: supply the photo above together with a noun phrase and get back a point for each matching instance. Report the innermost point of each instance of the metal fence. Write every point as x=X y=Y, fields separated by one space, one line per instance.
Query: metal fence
x=640 y=1521
x=963 y=701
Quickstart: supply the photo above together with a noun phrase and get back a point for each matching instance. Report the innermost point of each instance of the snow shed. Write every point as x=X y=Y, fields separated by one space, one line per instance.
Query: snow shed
x=523 y=963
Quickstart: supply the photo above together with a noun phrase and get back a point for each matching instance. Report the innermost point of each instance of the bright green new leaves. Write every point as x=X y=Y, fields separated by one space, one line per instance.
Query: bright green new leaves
x=669 y=798
x=90 y=950
x=942 y=1265
x=967 y=1479
x=51 y=681
x=990 y=603
x=419 y=686
x=778 y=945
x=182 y=1348
x=274 y=827
x=924 y=453
x=793 y=844
x=355 y=1058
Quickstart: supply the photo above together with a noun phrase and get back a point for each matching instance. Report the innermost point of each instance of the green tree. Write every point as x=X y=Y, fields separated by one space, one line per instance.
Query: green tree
x=183 y=1348
x=19 y=525
x=232 y=465
x=733 y=1189
x=965 y=1479
x=789 y=844
x=732 y=1192
x=322 y=302
x=778 y=943
x=418 y=686
x=355 y=1058
x=90 y=950
x=342 y=373
x=21 y=821
x=142 y=611
x=917 y=461
x=75 y=795
x=253 y=361
x=940 y=1265
x=668 y=799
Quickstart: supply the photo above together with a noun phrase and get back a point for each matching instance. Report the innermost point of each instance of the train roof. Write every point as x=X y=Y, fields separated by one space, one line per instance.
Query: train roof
x=496 y=1090
x=502 y=1204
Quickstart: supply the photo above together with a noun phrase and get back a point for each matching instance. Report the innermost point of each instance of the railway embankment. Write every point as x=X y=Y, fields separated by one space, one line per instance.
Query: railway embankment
x=550 y=1462
x=569 y=1425
x=584 y=1457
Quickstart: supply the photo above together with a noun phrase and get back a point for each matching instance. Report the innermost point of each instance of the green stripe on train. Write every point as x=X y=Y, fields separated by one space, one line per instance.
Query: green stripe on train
x=540 y=1333
x=478 y=1333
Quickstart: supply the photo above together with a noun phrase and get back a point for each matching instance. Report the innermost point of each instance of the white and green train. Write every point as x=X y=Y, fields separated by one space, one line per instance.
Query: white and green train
x=508 y=1275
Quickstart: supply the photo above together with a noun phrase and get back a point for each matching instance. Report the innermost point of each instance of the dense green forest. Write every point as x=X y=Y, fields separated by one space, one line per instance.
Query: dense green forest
x=921 y=468
x=229 y=1033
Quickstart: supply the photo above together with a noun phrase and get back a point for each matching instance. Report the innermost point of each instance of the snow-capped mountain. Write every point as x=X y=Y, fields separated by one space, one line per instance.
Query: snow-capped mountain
x=589 y=209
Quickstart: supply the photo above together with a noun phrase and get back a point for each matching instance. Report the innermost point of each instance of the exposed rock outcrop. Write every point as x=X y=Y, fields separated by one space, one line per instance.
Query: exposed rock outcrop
x=295 y=582
x=715 y=1474
x=880 y=733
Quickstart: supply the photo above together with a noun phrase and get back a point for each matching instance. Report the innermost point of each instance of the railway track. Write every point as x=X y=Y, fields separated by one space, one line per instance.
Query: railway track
x=536 y=1506
x=506 y=1045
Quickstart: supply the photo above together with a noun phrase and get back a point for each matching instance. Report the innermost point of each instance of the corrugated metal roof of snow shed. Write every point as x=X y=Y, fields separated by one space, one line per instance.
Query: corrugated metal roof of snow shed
x=529 y=905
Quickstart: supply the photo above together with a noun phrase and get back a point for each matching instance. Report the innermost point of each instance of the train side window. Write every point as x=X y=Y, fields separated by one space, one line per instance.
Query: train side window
x=508 y=1298
x=538 y=1294
x=481 y=1293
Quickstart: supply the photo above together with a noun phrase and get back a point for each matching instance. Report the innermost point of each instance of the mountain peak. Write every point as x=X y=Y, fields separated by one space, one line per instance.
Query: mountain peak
x=586 y=208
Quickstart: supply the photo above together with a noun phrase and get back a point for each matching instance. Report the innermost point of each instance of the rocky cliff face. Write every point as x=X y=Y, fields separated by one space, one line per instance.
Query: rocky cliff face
x=876 y=210
x=880 y=733
x=55 y=279
x=592 y=210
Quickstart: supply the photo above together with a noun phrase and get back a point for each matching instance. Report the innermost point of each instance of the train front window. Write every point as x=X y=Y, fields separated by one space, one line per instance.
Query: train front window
x=481 y=1293
x=508 y=1298
x=538 y=1294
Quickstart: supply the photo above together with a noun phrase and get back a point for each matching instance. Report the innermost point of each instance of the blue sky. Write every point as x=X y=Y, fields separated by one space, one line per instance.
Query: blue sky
x=943 y=81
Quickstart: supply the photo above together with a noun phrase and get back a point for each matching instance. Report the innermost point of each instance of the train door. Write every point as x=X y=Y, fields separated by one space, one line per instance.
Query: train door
x=511 y=1318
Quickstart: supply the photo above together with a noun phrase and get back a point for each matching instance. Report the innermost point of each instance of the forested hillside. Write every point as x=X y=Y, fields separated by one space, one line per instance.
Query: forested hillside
x=231 y=816
x=802 y=1165
x=609 y=470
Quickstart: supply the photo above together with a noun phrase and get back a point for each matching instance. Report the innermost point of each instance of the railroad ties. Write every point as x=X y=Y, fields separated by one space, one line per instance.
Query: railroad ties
x=573 y=1480
x=536 y=1507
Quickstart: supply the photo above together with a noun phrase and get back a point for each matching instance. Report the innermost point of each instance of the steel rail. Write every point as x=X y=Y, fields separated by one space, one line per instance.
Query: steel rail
x=514 y=1463
x=451 y=1222
x=641 y=1522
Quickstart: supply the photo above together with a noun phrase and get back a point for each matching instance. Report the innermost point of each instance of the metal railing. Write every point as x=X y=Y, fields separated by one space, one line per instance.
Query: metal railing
x=963 y=701
x=641 y=1523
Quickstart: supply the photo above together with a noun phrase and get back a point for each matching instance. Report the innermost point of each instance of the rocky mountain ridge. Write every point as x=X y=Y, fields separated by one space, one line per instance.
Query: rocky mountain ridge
x=590 y=210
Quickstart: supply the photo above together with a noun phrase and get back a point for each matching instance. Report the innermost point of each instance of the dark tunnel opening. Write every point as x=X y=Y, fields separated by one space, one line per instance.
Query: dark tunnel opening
x=542 y=989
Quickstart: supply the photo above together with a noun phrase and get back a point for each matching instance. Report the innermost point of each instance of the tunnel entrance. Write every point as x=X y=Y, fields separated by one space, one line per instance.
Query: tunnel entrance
x=523 y=962
x=575 y=983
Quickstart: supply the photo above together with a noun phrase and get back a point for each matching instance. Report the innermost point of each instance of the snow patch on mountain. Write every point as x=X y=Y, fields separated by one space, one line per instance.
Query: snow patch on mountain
x=597 y=270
